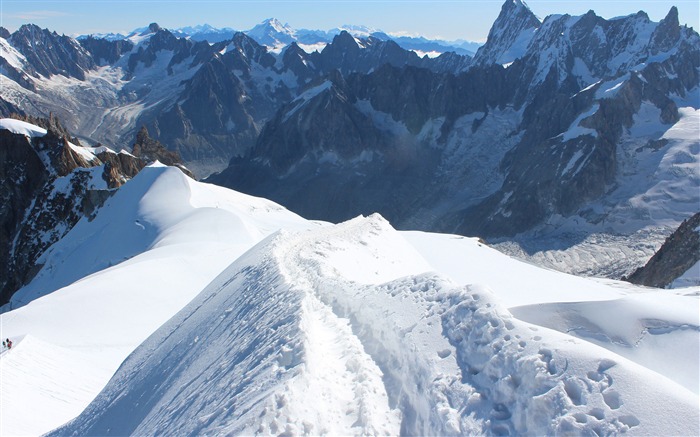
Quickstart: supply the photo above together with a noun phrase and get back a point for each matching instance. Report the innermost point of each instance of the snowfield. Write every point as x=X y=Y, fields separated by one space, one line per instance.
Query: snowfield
x=190 y=309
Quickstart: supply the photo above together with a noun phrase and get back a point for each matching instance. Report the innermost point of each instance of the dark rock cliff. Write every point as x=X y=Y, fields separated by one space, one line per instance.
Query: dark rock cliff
x=677 y=255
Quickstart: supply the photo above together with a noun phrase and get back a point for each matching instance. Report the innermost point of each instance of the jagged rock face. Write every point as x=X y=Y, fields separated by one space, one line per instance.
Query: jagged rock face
x=346 y=55
x=149 y=150
x=207 y=102
x=448 y=62
x=355 y=163
x=557 y=152
x=106 y=52
x=292 y=145
x=219 y=112
x=680 y=252
x=509 y=36
x=7 y=109
x=119 y=167
x=42 y=200
x=163 y=40
x=18 y=76
x=49 y=54
x=300 y=63
x=350 y=55
x=46 y=186
x=666 y=34
x=347 y=132
x=22 y=175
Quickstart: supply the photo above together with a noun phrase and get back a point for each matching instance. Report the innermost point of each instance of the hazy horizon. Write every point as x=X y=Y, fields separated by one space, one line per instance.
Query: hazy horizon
x=445 y=19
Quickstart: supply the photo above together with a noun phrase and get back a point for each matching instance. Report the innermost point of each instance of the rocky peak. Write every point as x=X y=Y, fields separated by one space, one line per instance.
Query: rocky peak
x=344 y=41
x=151 y=150
x=666 y=33
x=50 y=54
x=242 y=52
x=4 y=33
x=299 y=62
x=154 y=28
x=163 y=39
x=105 y=51
x=510 y=34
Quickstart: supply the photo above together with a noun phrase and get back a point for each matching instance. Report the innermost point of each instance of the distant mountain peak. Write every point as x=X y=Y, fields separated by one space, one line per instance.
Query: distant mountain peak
x=277 y=25
x=153 y=27
x=510 y=34
x=272 y=33
x=516 y=4
x=667 y=33
x=672 y=15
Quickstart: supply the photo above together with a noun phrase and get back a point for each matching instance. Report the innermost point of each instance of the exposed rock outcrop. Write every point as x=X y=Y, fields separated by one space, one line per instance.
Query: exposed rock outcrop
x=48 y=183
x=44 y=187
x=150 y=150
x=106 y=52
x=679 y=253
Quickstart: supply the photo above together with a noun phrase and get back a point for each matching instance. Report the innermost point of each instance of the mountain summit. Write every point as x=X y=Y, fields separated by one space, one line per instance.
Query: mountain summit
x=272 y=33
x=509 y=36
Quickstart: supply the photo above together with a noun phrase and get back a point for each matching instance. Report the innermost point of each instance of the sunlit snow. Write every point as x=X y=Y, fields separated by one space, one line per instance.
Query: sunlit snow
x=236 y=316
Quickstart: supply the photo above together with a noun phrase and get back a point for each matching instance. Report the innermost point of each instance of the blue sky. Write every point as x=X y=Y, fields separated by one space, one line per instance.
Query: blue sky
x=449 y=19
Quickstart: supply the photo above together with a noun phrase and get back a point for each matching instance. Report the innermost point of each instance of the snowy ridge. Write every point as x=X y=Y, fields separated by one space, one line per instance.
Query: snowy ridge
x=22 y=128
x=161 y=239
x=390 y=354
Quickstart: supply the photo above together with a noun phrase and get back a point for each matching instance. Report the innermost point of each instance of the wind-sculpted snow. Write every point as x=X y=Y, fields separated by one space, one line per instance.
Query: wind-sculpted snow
x=166 y=237
x=341 y=330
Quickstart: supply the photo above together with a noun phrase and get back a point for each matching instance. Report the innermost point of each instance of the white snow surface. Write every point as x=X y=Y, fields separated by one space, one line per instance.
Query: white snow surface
x=226 y=314
x=22 y=128
x=691 y=278
x=155 y=244
x=13 y=57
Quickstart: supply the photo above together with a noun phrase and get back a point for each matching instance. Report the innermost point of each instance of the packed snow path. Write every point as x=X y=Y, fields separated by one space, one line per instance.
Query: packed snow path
x=331 y=331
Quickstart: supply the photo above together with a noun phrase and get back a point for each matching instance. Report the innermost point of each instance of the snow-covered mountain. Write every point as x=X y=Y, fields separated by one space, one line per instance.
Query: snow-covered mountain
x=206 y=101
x=568 y=140
x=509 y=36
x=275 y=35
x=230 y=313
x=583 y=148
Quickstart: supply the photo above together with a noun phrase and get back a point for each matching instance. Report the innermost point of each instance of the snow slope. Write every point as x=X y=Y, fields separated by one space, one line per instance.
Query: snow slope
x=153 y=246
x=22 y=128
x=351 y=316
x=226 y=314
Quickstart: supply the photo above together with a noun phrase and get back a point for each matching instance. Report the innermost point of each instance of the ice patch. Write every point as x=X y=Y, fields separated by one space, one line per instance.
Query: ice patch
x=576 y=130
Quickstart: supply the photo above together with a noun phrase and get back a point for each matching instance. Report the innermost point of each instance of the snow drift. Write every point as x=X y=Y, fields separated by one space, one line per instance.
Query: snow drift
x=341 y=330
x=238 y=317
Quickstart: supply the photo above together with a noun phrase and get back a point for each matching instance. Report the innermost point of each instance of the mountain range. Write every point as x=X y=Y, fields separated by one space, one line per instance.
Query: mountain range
x=275 y=35
x=545 y=142
x=373 y=286
x=563 y=140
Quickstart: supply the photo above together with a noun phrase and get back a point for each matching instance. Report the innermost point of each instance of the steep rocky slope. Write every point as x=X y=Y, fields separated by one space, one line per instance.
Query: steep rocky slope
x=679 y=255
